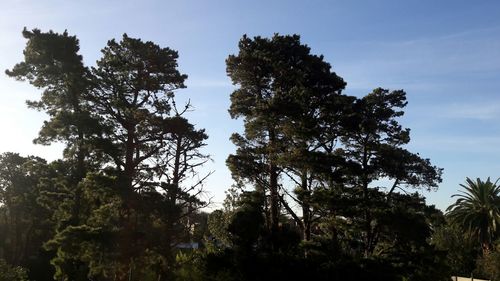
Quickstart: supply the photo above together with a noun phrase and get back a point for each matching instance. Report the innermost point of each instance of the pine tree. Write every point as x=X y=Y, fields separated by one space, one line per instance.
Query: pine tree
x=290 y=101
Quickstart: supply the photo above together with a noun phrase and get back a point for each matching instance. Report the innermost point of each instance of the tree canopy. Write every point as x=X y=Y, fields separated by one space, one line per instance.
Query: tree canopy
x=121 y=198
x=325 y=187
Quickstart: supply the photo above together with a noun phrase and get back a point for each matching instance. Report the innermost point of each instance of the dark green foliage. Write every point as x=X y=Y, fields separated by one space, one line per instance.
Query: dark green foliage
x=300 y=129
x=123 y=196
x=462 y=251
x=374 y=142
x=488 y=266
x=10 y=273
x=404 y=250
x=477 y=211
x=126 y=196
x=373 y=149
x=290 y=101
x=474 y=217
x=52 y=63
x=402 y=228
x=218 y=222
x=134 y=84
x=246 y=224
x=25 y=222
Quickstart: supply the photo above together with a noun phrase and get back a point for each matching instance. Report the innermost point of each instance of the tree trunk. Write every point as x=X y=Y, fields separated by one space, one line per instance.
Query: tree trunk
x=273 y=186
x=367 y=215
x=306 y=211
x=129 y=159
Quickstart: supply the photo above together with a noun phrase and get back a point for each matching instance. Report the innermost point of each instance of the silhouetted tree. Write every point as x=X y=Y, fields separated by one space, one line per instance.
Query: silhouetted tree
x=52 y=63
x=128 y=184
x=289 y=100
x=373 y=146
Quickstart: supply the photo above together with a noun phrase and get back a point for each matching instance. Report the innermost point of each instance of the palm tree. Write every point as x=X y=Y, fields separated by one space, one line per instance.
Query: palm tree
x=477 y=210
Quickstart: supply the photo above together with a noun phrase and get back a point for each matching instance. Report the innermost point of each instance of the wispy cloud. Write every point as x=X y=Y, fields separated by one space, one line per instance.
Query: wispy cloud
x=422 y=62
x=464 y=109
x=475 y=111
x=459 y=143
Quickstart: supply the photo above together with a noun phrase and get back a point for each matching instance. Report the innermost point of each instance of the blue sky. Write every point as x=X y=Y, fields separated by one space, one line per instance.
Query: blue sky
x=445 y=54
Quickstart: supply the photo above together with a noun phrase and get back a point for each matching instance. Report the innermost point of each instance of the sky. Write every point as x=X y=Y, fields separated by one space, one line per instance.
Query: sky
x=444 y=54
